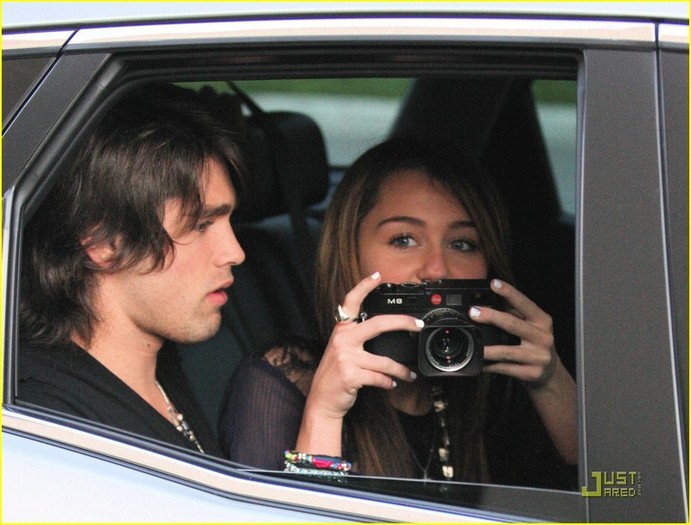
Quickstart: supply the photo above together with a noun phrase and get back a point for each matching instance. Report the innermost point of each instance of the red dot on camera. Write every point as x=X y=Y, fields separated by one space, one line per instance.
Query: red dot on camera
x=436 y=299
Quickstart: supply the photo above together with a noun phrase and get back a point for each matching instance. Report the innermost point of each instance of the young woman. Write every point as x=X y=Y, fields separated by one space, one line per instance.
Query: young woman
x=401 y=214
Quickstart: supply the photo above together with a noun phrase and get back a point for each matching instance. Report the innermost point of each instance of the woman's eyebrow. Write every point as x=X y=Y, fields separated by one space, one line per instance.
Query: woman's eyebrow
x=401 y=218
x=463 y=224
x=419 y=222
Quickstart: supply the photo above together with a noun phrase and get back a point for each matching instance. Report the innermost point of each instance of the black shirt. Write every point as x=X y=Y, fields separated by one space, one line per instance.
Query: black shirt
x=262 y=416
x=69 y=380
x=263 y=413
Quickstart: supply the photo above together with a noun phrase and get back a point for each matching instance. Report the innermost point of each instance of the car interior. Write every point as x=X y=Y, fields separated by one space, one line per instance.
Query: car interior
x=491 y=118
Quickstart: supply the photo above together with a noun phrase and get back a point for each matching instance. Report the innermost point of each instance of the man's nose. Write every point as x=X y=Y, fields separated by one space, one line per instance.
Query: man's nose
x=230 y=252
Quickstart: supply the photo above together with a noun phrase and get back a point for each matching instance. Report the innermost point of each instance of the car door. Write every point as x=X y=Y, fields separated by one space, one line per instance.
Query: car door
x=625 y=265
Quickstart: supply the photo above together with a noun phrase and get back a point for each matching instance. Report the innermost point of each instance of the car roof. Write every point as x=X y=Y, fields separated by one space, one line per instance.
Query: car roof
x=25 y=15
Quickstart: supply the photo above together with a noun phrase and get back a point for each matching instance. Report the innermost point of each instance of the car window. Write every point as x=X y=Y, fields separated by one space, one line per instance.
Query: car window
x=556 y=108
x=356 y=113
x=24 y=74
x=353 y=113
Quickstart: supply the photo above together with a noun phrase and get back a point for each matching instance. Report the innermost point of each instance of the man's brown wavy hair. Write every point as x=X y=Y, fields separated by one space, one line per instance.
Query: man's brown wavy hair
x=151 y=147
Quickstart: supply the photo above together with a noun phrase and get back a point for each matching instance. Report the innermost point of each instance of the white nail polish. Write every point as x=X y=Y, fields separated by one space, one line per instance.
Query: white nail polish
x=413 y=376
x=394 y=384
x=474 y=312
x=420 y=323
x=496 y=283
x=376 y=275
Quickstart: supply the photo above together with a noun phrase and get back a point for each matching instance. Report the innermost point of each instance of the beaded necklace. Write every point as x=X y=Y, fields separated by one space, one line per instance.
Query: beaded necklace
x=444 y=450
x=439 y=439
x=178 y=420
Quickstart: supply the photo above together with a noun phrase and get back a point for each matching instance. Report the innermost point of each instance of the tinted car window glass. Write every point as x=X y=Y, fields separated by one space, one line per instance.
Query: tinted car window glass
x=352 y=113
x=556 y=107
x=19 y=75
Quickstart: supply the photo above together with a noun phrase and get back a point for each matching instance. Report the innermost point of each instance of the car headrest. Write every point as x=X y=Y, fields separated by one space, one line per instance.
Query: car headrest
x=284 y=152
x=287 y=160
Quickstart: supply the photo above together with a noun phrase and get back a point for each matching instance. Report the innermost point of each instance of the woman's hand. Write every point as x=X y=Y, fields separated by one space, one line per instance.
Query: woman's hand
x=346 y=367
x=535 y=362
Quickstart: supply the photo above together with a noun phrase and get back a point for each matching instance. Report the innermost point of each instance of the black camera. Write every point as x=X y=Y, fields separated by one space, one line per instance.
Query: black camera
x=450 y=343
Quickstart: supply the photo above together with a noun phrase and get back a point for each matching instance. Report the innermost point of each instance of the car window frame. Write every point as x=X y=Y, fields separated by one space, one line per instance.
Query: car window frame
x=605 y=176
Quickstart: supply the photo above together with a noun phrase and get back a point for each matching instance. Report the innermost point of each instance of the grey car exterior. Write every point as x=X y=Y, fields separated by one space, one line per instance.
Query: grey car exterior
x=631 y=252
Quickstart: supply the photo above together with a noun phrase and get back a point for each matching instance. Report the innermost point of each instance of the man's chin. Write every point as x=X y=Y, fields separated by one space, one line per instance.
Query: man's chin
x=199 y=333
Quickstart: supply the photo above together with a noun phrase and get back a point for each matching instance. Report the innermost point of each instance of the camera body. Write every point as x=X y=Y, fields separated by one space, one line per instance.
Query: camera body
x=450 y=344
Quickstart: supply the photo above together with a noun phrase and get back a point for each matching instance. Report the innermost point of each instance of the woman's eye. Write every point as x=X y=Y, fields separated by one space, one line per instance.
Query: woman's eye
x=403 y=241
x=464 y=245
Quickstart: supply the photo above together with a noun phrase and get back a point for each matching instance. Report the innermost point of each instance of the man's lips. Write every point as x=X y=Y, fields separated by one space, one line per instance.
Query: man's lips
x=219 y=296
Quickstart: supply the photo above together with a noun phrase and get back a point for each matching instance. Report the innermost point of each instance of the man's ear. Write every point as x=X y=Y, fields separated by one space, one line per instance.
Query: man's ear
x=102 y=253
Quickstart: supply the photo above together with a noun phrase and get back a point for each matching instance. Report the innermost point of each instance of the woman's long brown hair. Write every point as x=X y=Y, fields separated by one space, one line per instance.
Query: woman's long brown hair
x=372 y=423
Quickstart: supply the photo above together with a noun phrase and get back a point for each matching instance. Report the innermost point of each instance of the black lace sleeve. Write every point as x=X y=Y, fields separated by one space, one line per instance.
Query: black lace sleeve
x=262 y=414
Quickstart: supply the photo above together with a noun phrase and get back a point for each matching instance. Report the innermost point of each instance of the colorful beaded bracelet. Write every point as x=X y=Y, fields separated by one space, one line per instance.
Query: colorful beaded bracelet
x=303 y=463
x=314 y=471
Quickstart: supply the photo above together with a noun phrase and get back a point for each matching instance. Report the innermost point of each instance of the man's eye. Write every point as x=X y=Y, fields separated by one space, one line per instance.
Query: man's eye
x=202 y=226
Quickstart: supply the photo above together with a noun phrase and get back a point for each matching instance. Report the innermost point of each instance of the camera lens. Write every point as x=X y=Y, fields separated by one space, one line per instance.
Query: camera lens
x=449 y=348
x=446 y=342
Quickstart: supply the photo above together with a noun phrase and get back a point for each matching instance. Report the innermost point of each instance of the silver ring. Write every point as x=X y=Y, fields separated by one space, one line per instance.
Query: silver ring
x=341 y=315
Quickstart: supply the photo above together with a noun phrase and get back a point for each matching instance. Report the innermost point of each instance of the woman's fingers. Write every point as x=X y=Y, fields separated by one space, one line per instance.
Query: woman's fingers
x=531 y=374
x=348 y=339
x=381 y=372
x=534 y=360
x=345 y=366
x=353 y=299
x=526 y=362
x=524 y=307
x=526 y=320
x=529 y=331
x=380 y=324
x=387 y=368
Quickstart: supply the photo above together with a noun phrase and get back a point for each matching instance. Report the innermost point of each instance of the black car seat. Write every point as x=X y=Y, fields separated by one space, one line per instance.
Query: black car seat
x=272 y=294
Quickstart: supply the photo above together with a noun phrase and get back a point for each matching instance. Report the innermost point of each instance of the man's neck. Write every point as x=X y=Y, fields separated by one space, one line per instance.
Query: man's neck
x=130 y=357
x=123 y=347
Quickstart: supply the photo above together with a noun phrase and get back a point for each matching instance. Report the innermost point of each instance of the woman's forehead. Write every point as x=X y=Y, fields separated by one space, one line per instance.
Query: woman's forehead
x=415 y=189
